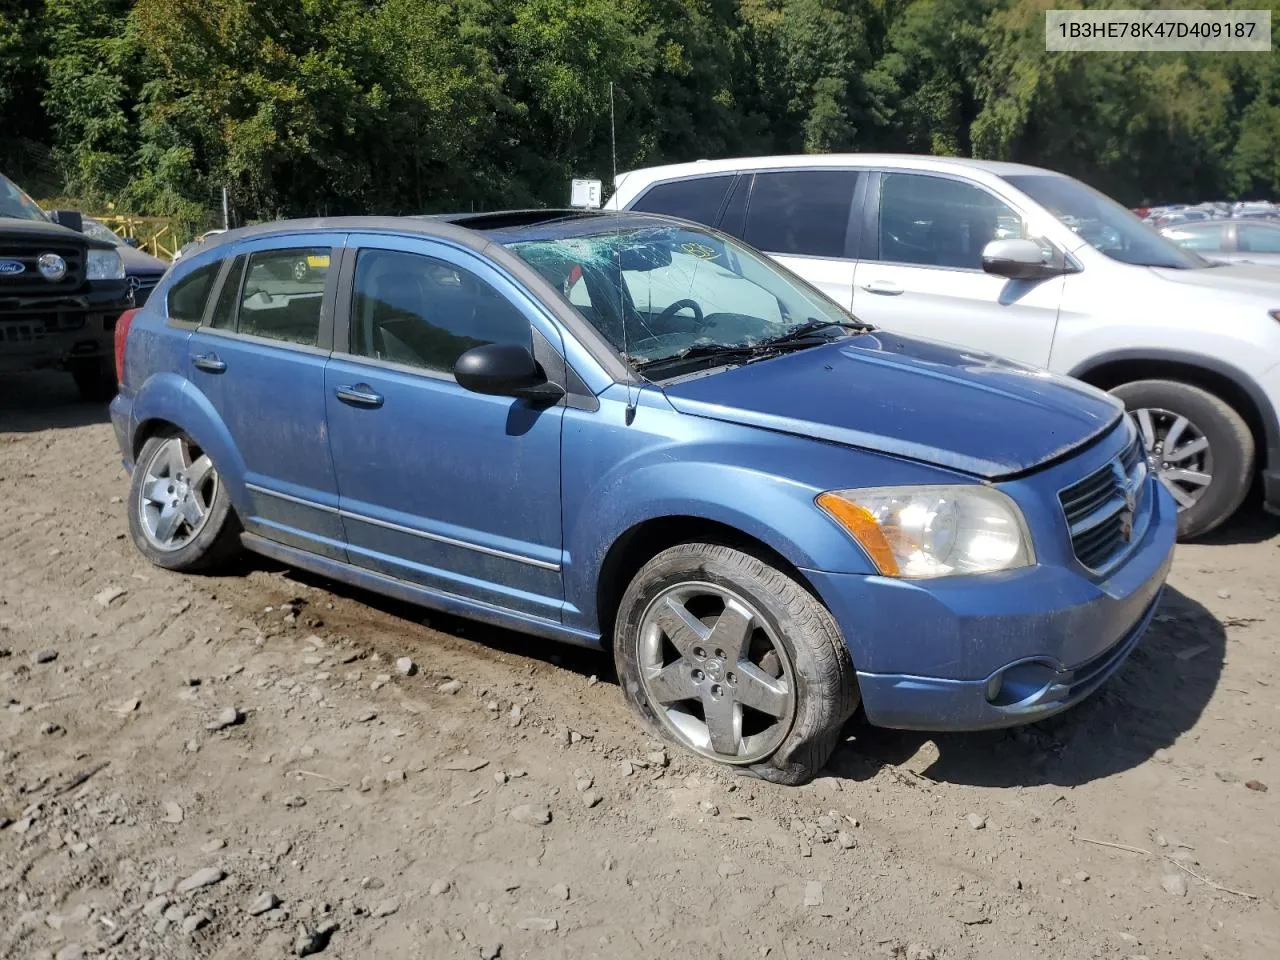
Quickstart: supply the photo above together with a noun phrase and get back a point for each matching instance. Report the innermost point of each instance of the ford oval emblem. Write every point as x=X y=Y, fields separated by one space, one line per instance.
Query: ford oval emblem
x=52 y=267
x=11 y=268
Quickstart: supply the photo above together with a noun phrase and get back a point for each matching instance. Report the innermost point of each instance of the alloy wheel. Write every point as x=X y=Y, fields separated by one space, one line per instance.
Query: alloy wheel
x=715 y=673
x=178 y=491
x=1178 y=453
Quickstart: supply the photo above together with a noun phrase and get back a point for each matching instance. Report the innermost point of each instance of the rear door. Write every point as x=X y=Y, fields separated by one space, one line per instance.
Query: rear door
x=920 y=268
x=805 y=220
x=259 y=357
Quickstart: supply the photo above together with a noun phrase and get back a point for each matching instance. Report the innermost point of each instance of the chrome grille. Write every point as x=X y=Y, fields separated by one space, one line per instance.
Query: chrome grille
x=1103 y=511
x=28 y=252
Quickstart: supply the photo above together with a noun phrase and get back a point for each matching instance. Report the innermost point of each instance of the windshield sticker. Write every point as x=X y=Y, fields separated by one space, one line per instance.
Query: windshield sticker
x=700 y=250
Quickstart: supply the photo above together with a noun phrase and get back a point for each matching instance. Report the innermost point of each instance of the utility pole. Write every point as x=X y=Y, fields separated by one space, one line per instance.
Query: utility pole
x=226 y=211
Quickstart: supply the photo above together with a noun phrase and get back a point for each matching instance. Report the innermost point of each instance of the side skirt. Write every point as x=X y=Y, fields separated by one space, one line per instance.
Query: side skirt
x=412 y=593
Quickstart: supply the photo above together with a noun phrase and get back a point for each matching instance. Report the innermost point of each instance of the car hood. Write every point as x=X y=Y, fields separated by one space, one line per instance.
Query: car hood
x=1254 y=278
x=46 y=231
x=960 y=409
x=139 y=263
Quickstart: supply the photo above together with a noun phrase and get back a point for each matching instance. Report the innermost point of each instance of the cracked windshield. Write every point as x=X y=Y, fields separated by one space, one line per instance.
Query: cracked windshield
x=665 y=294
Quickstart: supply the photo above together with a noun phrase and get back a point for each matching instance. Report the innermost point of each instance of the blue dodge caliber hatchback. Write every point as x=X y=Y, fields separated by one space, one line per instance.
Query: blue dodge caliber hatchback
x=631 y=431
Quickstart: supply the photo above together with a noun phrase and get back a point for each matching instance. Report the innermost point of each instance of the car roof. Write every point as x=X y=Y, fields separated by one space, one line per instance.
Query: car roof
x=475 y=230
x=910 y=161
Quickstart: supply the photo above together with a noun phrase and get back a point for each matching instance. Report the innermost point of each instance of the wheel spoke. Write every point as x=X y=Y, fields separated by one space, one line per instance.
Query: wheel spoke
x=1143 y=417
x=1187 y=450
x=672 y=684
x=200 y=468
x=758 y=690
x=1184 y=499
x=1175 y=433
x=192 y=512
x=683 y=629
x=157 y=491
x=168 y=523
x=724 y=724
x=732 y=632
x=1193 y=477
x=170 y=456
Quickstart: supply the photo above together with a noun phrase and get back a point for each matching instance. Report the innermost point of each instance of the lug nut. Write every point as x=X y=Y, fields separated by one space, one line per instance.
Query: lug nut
x=697 y=676
x=720 y=655
x=700 y=653
x=731 y=677
x=716 y=690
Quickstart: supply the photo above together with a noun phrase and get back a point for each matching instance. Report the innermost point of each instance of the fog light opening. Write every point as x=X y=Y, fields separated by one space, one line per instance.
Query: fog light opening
x=1022 y=684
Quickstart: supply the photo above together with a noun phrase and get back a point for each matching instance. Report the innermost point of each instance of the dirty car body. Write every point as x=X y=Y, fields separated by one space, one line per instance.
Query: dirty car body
x=984 y=536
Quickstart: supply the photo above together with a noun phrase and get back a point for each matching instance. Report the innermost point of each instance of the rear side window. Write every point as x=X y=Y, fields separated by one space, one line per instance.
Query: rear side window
x=801 y=212
x=1196 y=237
x=188 y=296
x=698 y=199
x=281 y=294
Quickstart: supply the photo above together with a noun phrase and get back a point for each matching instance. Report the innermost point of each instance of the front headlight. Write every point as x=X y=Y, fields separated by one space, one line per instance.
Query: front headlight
x=104 y=265
x=920 y=532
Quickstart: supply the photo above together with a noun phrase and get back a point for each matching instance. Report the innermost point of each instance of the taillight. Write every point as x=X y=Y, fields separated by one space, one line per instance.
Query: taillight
x=122 y=334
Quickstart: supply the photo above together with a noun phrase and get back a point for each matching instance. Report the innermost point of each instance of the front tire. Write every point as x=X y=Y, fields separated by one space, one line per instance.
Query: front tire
x=734 y=660
x=1199 y=447
x=180 y=515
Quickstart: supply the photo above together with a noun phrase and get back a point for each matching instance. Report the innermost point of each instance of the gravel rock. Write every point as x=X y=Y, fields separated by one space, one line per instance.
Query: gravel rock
x=155 y=907
x=265 y=901
x=534 y=814
x=590 y=799
x=709 y=808
x=491 y=951
x=195 y=922
x=406 y=667
x=44 y=656
x=364 y=716
x=172 y=813
x=201 y=878
x=440 y=887
x=977 y=820
x=847 y=840
x=918 y=951
x=728 y=869
x=813 y=894
x=72 y=951
x=386 y=908
x=1174 y=884
x=543 y=924
x=559 y=891
x=395 y=776
x=449 y=686
x=293 y=801
x=227 y=718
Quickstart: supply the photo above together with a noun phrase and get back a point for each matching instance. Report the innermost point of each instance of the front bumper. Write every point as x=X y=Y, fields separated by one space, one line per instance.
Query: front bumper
x=927 y=652
x=38 y=332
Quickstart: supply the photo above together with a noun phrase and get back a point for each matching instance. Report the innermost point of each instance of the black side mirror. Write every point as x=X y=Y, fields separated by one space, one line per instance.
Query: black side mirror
x=131 y=242
x=1017 y=260
x=505 y=370
x=70 y=219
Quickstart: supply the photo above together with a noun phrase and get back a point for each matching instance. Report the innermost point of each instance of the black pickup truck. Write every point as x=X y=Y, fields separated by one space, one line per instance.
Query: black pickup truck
x=61 y=293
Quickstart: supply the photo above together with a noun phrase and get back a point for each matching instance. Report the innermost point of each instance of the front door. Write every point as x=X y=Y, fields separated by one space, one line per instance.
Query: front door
x=446 y=488
x=259 y=358
x=921 y=272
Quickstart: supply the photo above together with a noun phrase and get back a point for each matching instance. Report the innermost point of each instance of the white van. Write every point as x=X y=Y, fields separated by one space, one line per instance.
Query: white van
x=1028 y=264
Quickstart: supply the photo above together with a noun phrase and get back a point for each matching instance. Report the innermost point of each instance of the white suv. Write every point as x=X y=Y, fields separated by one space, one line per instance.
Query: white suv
x=1031 y=265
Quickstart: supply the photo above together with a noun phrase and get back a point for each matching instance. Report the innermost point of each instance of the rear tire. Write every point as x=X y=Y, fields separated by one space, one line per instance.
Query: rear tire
x=95 y=379
x=787 y=682
x=1222 y=449
x=174 y=477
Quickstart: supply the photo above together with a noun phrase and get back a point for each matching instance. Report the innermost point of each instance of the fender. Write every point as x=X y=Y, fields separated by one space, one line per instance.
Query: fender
x=1265 y=406
x=169 y=397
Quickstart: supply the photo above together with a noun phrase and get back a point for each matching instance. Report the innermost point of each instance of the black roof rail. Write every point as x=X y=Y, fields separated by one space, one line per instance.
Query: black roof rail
x=498 y=219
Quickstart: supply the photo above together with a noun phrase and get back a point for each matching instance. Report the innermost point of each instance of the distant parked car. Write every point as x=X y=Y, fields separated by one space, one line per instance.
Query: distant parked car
x=186 y=248
x=1231 y=241
x=141 y=270
x=1085 y=288
x=551 y=421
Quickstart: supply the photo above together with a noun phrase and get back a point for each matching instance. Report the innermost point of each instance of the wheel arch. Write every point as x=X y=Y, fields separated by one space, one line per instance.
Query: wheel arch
x=643 y=541
x=1224 y=380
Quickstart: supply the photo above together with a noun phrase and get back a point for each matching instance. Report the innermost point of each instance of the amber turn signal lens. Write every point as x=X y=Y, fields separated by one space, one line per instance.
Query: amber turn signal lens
x=862 y=526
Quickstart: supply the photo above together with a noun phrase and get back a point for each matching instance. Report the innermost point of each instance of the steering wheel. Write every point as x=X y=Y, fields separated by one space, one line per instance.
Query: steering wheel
x=676 y=307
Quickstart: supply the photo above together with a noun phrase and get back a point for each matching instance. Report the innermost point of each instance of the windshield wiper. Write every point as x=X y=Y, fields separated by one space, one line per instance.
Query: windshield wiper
x=813 y=325
x=742 y=352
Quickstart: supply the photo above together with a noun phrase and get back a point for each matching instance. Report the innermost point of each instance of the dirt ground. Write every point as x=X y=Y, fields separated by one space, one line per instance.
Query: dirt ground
x=354 y=811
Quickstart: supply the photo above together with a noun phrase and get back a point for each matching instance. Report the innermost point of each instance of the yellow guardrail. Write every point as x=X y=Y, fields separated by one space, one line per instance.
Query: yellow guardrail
x=156 y=235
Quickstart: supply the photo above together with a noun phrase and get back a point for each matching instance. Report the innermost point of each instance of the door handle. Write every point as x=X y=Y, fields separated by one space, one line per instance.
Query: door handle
x=360 y=395
x=882 y=287
x=210 y=362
